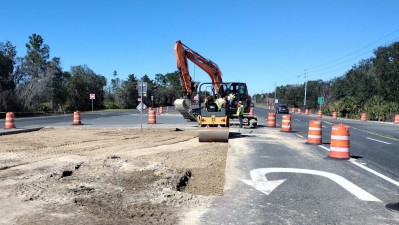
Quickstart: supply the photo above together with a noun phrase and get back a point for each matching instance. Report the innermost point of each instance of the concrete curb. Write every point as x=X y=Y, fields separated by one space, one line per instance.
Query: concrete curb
x=17 y=131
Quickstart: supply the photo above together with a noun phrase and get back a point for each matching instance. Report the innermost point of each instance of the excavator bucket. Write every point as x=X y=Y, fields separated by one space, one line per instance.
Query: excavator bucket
x=213 y=134
x=184 y=107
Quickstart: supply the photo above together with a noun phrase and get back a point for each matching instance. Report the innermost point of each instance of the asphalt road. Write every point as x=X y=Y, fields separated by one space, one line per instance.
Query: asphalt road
x=279 y=179
x=286 y=181
x=373 y=143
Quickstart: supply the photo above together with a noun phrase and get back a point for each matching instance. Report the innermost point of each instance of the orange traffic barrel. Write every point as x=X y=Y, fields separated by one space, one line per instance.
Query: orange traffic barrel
x=286 y=123
x=10 y=120
x=251 y=111
x=306 y=111
x=314 y=132
x=319 y=114
x=339 y=147
x=160 y=110
x=76 y=118
x=363 y=117
x=299 y=111
x=271 y=120
x=396 y=121
x=152 y=118
x=334 y=115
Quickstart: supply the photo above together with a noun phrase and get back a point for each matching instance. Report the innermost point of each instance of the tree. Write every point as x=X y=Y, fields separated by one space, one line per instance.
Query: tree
x=7 y=83
x=386 y=67
x=82 y=82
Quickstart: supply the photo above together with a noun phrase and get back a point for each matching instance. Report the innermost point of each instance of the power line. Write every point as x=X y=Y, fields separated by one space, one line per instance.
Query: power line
x=372 y=43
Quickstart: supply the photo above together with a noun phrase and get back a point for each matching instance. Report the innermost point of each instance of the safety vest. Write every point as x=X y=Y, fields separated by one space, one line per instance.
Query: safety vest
x=240 y=110
x=219 y=102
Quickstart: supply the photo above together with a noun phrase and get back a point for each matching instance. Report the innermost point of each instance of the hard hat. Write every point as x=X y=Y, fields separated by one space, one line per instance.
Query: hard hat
x=239 y=102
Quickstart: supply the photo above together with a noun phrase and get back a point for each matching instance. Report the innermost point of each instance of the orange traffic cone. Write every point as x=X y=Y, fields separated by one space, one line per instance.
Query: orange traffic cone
x=271 y=120
x=314 y=133
x=76 y=118
x=396 y=119
x=152 y=118
x=286 y=123
x=319 y=114
x=363 y=117
x=334 y=115
x=10 y=120
x=339 y=147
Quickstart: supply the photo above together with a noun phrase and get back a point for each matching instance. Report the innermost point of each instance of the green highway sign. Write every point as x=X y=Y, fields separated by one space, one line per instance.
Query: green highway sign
x=320 y=100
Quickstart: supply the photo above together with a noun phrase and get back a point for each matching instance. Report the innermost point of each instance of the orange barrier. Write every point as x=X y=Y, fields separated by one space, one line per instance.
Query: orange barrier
x=339 y=147
x=306 y=111
x=286 y=123
x=251 y=111
x=152 y=118
x=10 y=120
x=160 y=110
x=271 y=120
x=363 y=117
x=396 y=119
x=334 y=115
x=319 y=114
x=314 y=133
x=76 y=118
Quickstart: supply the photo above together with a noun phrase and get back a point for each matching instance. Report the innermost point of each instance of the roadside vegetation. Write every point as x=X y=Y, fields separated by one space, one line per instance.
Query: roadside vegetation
x=370 y=86
x=36 y=83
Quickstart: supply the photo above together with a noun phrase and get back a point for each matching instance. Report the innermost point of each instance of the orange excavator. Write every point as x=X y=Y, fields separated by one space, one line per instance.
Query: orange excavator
x=199 y=101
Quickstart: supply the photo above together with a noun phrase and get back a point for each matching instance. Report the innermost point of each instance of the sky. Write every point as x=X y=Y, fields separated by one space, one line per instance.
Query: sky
x=265 y=43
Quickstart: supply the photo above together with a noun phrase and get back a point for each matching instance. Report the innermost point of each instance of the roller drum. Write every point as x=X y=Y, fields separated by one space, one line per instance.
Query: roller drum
x=213 y=134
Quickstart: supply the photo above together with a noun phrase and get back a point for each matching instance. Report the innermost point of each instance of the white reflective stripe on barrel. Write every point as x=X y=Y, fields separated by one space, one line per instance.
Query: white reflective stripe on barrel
x=338 y=149
x=336 y=137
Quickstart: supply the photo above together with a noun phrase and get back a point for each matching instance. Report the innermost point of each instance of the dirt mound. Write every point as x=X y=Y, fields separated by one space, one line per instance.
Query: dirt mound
x=88 y=176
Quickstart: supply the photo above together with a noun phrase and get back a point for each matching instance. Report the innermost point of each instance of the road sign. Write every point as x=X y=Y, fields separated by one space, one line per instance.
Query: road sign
x=260 y=182
x=92 y=96
x=320 y=100
x=141 y=106
x=142 y=87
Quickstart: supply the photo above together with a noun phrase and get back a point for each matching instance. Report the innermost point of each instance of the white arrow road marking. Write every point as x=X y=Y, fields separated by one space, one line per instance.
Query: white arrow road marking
x=260 y=182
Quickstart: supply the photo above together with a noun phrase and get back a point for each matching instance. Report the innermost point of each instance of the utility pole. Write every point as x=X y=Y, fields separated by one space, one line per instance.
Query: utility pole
x=306 y=85
x=275 y=93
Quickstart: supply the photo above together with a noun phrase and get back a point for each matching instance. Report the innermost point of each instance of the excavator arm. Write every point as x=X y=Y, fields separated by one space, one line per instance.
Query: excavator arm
x=183 y=53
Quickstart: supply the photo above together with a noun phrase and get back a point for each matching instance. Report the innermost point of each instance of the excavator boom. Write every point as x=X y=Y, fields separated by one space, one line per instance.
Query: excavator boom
x=183 y=53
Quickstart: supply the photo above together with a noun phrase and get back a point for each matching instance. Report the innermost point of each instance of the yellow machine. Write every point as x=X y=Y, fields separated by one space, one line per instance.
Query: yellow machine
x=213 y=121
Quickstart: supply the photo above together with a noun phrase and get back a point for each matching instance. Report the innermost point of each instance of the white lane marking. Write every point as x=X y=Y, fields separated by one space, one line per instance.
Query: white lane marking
x=368 y=169
x=375 y=173
x=260 y=182
x=325 y=148
x=379 y=141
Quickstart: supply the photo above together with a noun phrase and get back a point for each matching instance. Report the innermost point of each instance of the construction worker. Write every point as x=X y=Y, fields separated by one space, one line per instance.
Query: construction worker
x=231 y=97
x=220 y=102
x=207 y=102
x=240 y=112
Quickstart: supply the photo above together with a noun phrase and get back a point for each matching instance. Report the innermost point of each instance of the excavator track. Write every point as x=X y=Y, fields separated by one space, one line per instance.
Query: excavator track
x=184 y=107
